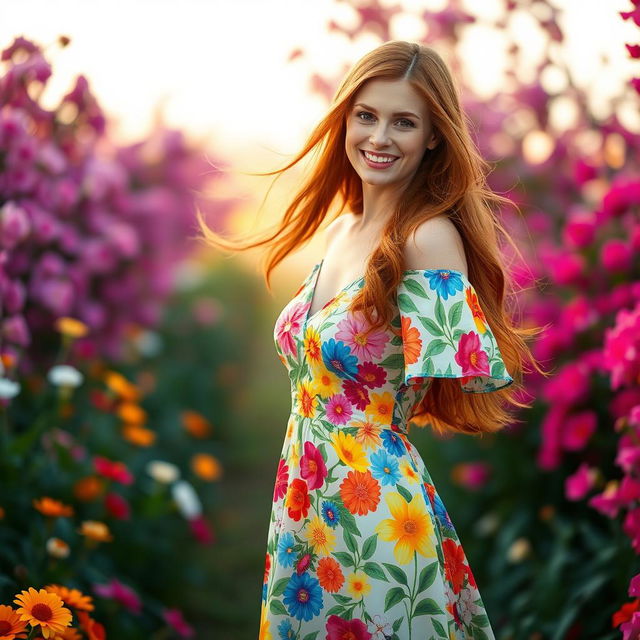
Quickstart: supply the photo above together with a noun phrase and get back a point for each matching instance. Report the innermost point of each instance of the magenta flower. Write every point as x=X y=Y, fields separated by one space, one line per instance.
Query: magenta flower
x=578 y=428
x=175 y=619
x=282 y=480
x=634 y=586
x=472 y=475
x=116 y=590
x=354 y=628
x=615 y=255
x=631 y=526
x=201 y=530
x=287 y=325
x=113 y=470
x=580 y=483
x=339 y=409
x=471 y=356
x=14 y=225
x=580 y=230
x=631 y=628
x=312 y=466
x=372 y=375
x=117 y=506
x=621 y=348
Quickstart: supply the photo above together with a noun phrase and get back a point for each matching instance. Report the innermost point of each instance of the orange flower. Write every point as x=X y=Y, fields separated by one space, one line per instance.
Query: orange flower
x=52 y=508
x=306 y=400
x=196 y=424
x=10 y=624
x=478 y=315
x=368 y=433
x=360 y=492
x=71 y=597
x=380 y=409
x=140 y=436
x=89 y=488
x=206 y=466
x=121 y=386
x=71 y=327
x=411 y=342
x=95 y=530
x=95 y=631
x=131 y=413
x=329 y=574
x=44 y=609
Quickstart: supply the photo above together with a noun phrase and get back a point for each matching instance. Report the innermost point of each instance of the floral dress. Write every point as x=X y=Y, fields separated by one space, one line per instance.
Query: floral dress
x=360 y=545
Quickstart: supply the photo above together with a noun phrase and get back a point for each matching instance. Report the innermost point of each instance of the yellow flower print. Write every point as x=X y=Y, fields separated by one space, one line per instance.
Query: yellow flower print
x=325 y=383
x=264 y=632
x=408 y=472
x=380 y=409
x=349 y=450
x=478 y=314
x=410 y=526
x=312 y=347
x=320 y=536
x=306 y=400
x=357 y=584
x=294 y=455
x=368 y=433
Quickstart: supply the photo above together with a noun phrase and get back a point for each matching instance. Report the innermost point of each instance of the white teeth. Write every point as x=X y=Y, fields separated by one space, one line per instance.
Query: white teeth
x=380 y=159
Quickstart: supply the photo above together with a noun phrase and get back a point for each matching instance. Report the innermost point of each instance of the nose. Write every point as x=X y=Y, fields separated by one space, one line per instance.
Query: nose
x=379 y=137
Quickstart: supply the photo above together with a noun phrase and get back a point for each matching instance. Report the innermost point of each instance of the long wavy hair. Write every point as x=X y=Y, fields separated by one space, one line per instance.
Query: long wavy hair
x=450 y=180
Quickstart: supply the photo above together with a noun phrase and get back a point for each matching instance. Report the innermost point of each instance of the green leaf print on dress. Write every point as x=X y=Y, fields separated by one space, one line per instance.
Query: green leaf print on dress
x=360 y=544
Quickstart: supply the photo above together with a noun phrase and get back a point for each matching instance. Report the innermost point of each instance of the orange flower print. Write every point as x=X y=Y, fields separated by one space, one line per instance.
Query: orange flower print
x=478 y=314
x=330 y=575
x=306 y=400
x=380 y=409
x=411 y=342
x=297 y=501
x=454 y=561
x=360 y=492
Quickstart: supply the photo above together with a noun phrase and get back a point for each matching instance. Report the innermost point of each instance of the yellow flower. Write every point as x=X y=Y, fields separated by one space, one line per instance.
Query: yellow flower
x=410 y=525
x=349 y=450
x=311 y=347
x=131 y=413
x=320 y=536
x=121 y=386
x=10 y=624
x=44 y=609
x=71 y=597
x=95 y=530
x=324 y=382
x=138 y=435
x=408 y=472
x=306 y=400
x=196 y=424
x=357 y=584
x=206 y=466
x=294 y=454
x=380 y=409
x=71 y=327
x=264 y=632
x=368 y=433
x=52 y=508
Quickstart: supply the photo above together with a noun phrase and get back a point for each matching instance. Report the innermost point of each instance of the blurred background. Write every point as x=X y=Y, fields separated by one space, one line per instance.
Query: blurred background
x=142 y=404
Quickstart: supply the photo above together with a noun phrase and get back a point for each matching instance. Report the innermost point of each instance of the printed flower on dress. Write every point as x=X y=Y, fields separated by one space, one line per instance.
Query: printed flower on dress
x=312 y=466
x=445 y=282
x=287 y=326
x=330 y=574
x=351 y=330
x=297 y=500
x=303 y=596
x=338 y=628
x=338 y=358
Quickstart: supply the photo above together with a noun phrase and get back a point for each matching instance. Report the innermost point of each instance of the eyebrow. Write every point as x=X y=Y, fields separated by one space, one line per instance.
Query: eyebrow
x=398 y=113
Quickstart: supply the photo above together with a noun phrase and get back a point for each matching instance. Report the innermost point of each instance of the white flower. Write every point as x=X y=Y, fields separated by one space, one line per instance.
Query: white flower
x=380 y=628
x=164 y=472
x=187 y=499
x=8 y=388
x=64 y=375
x=57 y=548
x=466 y=606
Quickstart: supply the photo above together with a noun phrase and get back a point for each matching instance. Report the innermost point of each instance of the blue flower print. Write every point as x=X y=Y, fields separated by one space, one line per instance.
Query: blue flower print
x=392 y=443
x=384 y=468
x=330 y=514
x=285 y=630
x=445 y=282
x=338 y=358
x=303 y=596
x=286 y=555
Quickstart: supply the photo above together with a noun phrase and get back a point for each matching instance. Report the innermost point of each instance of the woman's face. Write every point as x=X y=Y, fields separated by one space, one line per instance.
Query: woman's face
x=389 y=119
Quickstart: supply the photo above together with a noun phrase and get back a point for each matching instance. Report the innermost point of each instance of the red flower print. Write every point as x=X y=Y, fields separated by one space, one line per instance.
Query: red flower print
x=339 y=629
x=455 y=569
x=297 y=500
x=356 y=393
x=282 y=480
x=312 y=466
x=371 y=375
x=471 y=356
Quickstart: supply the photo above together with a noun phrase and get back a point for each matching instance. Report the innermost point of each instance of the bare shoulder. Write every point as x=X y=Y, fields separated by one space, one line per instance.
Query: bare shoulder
x=436 y=244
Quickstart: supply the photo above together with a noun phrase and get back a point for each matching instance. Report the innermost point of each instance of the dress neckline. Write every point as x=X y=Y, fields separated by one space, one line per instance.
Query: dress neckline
x=314 y=281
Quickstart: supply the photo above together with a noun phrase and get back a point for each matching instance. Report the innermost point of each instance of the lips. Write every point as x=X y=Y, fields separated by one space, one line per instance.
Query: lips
x=380 y=155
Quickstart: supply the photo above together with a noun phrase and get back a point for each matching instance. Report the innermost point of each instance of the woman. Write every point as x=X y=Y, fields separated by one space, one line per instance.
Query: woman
x=403 y=319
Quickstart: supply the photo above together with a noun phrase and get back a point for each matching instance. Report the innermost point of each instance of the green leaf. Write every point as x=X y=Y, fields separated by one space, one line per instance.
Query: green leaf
x=428 y=607
x=427 y=576
x=396 y=573
x=455 y=313
x=344 y=558
x=312 y=636
x=350 y=541
x=394 y=596
x=405 y=493
x=406 y=304
x=440 y=630
x=279 y=587
x=369 y=546
x=441 y=317
x=278 y=608
x=374 y=571
x=430 y=325
x=416 y=288
x=435 y=347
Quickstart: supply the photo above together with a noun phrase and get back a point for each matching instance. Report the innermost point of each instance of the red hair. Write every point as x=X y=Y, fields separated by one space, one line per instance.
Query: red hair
x=451 y=181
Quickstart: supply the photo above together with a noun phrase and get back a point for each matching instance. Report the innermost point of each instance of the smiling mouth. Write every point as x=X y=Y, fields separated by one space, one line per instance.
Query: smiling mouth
x=389 y=160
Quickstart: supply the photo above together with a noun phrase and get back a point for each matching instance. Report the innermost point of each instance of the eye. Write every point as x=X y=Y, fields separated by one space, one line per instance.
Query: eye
x=408 y=123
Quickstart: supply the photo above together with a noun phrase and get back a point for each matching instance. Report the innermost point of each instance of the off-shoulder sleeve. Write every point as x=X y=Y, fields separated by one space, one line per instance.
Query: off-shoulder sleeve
x=445 y=333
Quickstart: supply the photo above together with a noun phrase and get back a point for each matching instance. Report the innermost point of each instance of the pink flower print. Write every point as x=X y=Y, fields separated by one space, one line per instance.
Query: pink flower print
x=351 y=330
x=282 y=480
x=288 y=324
x=312 y=466
x=338 y=628
x=471 y=356
x=338 y=409
x=356 y=393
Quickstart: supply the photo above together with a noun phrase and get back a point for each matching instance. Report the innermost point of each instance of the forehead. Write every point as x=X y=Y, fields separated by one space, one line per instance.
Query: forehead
x=391 y=96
